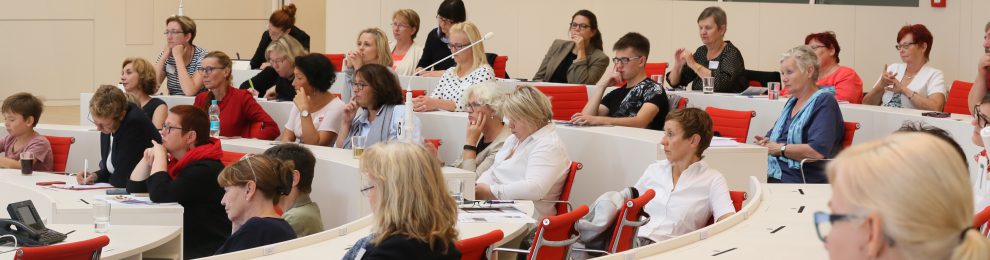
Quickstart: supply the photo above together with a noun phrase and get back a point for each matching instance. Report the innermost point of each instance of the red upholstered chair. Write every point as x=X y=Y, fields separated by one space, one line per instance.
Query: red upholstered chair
x=630 y=218
x=738 y=197
x=337 y=60
x=847 y=137
x=229 y=157
x=731 y=123
x=958 y=100
x=659 y=68
x=416 y=93
x=499 y=66
x=60 y=150
x=81 y=250
x=433 y=145
x=476 y=248
x=980 y=221
x=682 y=103
x=554 y=236
x=563 y=205
x=338 y=95
x=565 y=100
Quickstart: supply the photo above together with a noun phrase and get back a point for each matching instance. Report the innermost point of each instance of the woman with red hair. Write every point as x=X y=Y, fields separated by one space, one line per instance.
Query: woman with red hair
x=848 y=85
x=911 y=84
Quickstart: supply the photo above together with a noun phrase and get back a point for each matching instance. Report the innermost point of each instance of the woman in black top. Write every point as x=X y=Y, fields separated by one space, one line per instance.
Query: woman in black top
x=184 y=169
x=138 y=78
x=449 y=13
x=281 y=22
x=125 y=132
x=718 y=58
x=252 y=187
x=281 y=55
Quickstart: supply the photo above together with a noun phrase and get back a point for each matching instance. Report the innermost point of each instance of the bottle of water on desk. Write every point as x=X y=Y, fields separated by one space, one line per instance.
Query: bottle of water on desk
x=214 y=119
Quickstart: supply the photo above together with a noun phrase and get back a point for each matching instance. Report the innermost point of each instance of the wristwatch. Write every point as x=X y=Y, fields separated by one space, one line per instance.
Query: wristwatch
x=782 y=149
x=304 y=114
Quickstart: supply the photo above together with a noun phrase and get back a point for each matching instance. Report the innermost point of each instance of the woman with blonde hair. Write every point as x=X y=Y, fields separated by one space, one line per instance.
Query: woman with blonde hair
x=414 y=215
x=872 y=219
x=485 y=130
x=281 y=55
x=240 y=114
x=533 y=163
x=472 y=68
x=405 y=51
x=372 y=48
x=137 y=75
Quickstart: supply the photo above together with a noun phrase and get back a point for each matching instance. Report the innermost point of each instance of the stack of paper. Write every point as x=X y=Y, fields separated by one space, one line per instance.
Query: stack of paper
x=723 y=142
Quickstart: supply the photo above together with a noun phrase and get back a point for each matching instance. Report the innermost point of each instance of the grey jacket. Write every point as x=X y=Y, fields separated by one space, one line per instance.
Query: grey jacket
x=486 y=157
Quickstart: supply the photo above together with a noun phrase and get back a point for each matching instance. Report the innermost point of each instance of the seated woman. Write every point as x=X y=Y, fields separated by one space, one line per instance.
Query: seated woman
x=485 y=131
x=437 y=44
x=180 y=59
x=412 y=210
x=240 y=114
x=981 y=176
x=125 y=132
x=848 y=85
x=252 y=187
x=372 y=47
x=688 y=191
x=282 y=22
x=718 y=58
x=809 y=127
x=871 y=218
x=535 y=164
x=300 y=211
x=376 y=111
x=405 y=51
x=184 y=169
x=138 y=78
x=472 y=68
x=911 y=84
x=578 y=60
x=275 y=81
x=21 y=113
x=314 y=75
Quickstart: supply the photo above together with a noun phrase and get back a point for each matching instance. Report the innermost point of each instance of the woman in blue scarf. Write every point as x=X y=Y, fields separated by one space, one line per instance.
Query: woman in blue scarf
x=810 y=126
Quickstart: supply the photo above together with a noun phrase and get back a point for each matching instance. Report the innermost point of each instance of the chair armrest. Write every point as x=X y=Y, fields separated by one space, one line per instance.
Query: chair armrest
x=590 y=251
x=494 y=252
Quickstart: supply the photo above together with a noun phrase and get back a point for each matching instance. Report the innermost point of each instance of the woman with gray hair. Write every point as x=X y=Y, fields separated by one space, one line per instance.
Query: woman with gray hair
x=533 y=165
x=809 y=127
x=485 y=130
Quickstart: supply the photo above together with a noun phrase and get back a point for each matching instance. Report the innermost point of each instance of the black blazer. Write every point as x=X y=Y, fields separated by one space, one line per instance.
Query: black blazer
x=259 y=54
x=401 y=247
x=129 y=142
x=267 y=78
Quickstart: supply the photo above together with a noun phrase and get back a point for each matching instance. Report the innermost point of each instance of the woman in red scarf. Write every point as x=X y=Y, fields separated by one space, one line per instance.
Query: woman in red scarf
x=184 y=169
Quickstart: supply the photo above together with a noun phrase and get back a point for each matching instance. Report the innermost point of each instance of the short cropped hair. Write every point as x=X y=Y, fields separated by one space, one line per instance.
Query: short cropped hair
x=920 y=34
x=828 y=39
x=639 y=43
x=318 y=69
x=194 y=119
x=108 y=102
x=805 y=57
x=187 y=24
x=694 y=121
x=25 y=105
x=716 y=12
x=299 y=158
x=529 y=105
x=488 y=94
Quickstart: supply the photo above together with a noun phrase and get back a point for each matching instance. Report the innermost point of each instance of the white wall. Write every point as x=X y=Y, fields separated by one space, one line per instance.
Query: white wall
x=525 y=29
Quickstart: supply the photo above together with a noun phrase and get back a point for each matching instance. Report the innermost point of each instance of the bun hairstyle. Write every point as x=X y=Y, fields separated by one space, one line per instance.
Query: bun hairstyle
x=272 y=177
x=284 y=18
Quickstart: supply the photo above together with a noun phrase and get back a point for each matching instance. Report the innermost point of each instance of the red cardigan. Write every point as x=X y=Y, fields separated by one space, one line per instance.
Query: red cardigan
x=240 y=115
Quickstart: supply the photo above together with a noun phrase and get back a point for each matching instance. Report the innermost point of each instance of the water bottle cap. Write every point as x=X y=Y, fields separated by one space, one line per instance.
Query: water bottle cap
x=214 y=102
x=985 y=132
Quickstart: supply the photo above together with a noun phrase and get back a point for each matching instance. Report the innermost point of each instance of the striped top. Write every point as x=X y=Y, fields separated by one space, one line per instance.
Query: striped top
x=171 y=75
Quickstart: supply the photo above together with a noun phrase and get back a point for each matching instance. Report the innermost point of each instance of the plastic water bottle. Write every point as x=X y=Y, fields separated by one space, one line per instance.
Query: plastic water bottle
x=214 y=119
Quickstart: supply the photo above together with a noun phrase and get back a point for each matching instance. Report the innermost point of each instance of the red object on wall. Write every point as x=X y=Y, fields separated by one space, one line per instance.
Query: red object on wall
x=938 y=3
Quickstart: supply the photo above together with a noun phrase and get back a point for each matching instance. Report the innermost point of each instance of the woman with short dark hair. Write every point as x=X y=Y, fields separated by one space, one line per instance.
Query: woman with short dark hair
x=315 y=116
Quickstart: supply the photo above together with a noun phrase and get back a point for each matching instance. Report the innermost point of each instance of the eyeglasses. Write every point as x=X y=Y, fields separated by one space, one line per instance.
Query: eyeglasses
x=474 y=105
x=815 y=47
x=400 y=26
x=444 y=20
x=167 y=32
x=365 y=190
x=167 y=129
x=981 y=120
x=209 y=70
x=903 y=45
x=824 y=222
x=280 y=60
x=358 y=86
x=107 y=125
x=456 y=47
x=580 y=26
x=625 y=60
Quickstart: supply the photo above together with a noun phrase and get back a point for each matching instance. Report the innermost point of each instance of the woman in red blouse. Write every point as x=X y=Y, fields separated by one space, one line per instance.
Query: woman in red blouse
x=240 y=114
x=848 y=85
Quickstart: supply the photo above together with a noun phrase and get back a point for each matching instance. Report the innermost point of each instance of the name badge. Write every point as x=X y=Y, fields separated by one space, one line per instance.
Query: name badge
x=170 y=69
x=713 y=65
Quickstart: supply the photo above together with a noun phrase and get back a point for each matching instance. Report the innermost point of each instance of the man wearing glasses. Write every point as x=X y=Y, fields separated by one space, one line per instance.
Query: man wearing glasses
x=641 y=102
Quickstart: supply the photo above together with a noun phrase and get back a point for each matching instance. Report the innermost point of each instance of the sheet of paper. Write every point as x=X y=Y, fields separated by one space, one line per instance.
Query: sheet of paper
x=502 y=214
x=83 y=187
x=723 y=142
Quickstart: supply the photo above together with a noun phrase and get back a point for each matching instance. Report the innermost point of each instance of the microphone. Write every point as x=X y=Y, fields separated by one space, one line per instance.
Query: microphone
x=487 y=36
x=180 y=7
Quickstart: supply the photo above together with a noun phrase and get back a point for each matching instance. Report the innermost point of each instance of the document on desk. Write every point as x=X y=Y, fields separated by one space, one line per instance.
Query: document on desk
x=128 y=200
x=83 y=187
x=723 y=142
x=497 y=214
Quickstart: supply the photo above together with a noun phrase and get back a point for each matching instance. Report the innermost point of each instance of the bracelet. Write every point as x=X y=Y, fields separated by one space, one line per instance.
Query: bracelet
x=470 y=147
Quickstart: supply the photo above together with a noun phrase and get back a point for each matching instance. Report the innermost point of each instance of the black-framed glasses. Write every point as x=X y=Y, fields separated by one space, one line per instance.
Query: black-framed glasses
x=625 y=60
x=579 y=26
x=365 y=190
x=981 y=120
x=167 y=129
x=444 y=20
x=209 y=70
x=903 y=45
x=456 y=47
x=825 y=221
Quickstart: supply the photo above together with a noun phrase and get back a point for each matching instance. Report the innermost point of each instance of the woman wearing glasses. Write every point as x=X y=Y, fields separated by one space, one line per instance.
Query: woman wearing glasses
x=848 y=85
x=981 y=177
x=717 y=58
x=275 y=81
x=449 y=13
x=125 y=132
x=240 y=114
x=911 y=84
x=579 y=60
x=412 y=210
x=315 y=116
x=485 y=130
x=872 y=219
x=184 y=169
x=405 y=51
x=472 y=68
x=372 y=47
x=282 y=22
x=251 y=187
x=376 y=112
x=180 y=59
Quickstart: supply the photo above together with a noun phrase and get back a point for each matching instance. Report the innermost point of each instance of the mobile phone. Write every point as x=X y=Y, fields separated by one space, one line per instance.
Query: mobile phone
x=936 y=114
x=117 y=191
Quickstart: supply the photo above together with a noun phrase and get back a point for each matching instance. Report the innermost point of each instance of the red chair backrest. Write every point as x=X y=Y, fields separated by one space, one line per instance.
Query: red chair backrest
x=416 y=93
x=555 y=228
x=229 y=157
x=476 y=248
x=499 y=66
x=659 y=68
x=681 y=104
x=731 y=123
x=738 y=197
x=565 y=100
x=433 y=145
x=82 y=250
x=60 y=150
x=981 y=219
x=847 y=137
x=565 y=194
x=623 y=235
x=958 y=100
x=337 y=60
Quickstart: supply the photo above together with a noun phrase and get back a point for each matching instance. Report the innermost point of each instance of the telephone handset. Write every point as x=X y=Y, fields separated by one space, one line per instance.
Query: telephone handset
x=26 y=236
x=26 y=225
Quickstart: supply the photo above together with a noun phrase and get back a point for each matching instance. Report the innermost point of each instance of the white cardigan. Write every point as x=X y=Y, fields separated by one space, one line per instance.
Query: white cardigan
x=407 y=66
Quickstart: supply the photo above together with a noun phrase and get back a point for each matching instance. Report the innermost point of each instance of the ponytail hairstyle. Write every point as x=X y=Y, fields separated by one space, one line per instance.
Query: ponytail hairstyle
x=272 y=178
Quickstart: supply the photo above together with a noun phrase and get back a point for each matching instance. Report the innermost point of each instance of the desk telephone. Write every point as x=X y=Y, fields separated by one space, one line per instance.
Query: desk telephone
x=26 y=225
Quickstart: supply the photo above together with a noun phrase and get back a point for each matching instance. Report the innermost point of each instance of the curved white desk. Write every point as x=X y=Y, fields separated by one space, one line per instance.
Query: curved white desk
x=126 y=242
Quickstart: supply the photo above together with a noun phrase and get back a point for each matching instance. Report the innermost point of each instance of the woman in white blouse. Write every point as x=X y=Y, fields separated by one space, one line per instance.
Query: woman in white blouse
x=689 y=193
x=472 y=68
x=316 y=114
x=405 y=51
x=532 y=163
x=911 y=84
